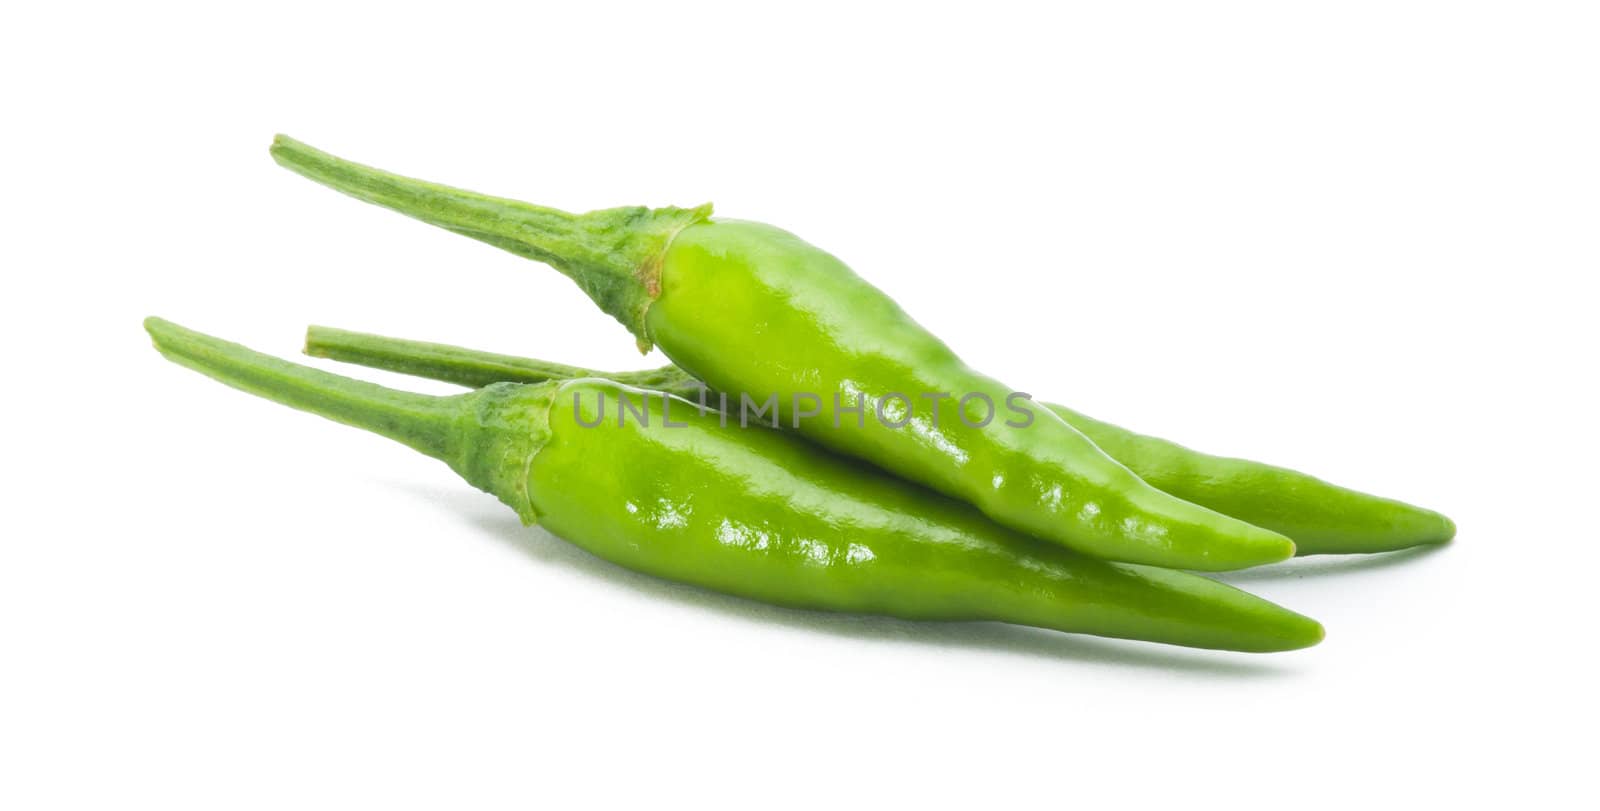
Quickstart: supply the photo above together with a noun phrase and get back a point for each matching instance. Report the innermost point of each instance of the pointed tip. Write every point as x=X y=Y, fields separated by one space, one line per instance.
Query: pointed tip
x=1216 y=615
x=1255 y=547
x=1290 y=630
x=1267 y=547
x=1283 y=548
x=1421 y=527
x=1309 y=634
x=1447 y=528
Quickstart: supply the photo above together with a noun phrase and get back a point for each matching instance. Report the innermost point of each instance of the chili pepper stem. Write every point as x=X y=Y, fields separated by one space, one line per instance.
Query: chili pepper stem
x=613 y=254
x=451 y=364
x=475 y=433
x=419 y=421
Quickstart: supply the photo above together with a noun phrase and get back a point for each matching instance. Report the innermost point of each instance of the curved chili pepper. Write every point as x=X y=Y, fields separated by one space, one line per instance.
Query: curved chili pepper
x=757 y=514
x=752 y=309
x=1321 y=518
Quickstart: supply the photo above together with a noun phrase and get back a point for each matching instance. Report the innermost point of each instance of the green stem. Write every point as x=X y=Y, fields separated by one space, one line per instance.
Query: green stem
x=420 y=421
x=614 y=254
x=451 y=364
x=475 y=369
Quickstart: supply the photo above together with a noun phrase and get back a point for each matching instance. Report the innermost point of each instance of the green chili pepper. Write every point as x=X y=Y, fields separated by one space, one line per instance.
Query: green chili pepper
x=758 y=514
x=753 y=310
x=1321 y=518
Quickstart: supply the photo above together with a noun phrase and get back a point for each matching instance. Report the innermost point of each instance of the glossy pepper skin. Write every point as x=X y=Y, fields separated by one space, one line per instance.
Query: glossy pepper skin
x=757 y=514
x=752 y=309
x=1321 y=518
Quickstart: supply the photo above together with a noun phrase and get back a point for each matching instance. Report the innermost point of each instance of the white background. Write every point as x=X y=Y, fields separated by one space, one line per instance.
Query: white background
x=1359 y=239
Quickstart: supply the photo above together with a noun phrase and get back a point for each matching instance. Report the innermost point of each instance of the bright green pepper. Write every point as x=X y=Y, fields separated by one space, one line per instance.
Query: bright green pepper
x=758 y=514
x=1321 y=518
x=754 y=310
